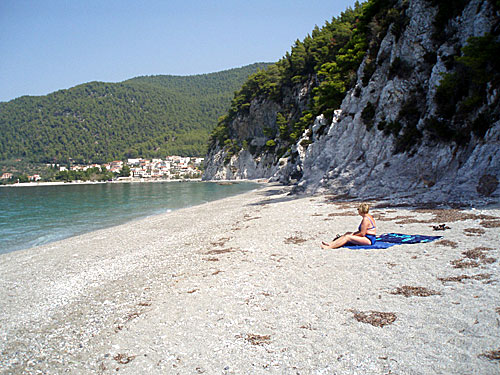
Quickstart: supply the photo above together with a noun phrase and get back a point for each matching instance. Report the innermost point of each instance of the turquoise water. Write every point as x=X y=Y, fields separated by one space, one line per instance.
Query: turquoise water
x=33 y=216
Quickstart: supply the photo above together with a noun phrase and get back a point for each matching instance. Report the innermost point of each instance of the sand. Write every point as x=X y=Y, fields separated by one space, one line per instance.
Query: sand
x=241 y=286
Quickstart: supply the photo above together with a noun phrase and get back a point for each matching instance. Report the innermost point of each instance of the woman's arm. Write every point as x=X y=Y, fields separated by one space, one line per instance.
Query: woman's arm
x=364 y=227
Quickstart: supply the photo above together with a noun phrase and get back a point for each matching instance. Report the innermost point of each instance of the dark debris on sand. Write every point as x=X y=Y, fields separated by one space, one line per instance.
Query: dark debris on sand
x=473 y=258
x=375 y=318
x=123 y=358
x=414 y=291
x=493 y=355
x=449 y=243
x=294 y=240
x=460 y=278
x=258 y=339
x=472 y=232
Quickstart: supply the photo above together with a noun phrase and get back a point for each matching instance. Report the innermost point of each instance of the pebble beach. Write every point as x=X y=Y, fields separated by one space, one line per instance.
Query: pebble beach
x=241 y=286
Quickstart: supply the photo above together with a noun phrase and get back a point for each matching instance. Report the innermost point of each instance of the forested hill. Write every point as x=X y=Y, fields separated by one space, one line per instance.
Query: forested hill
x=145 y=116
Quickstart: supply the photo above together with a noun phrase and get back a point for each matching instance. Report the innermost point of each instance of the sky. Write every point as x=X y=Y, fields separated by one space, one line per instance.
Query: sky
x=48 y=45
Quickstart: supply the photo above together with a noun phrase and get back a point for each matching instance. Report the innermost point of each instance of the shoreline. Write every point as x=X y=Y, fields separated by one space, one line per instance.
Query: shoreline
x=78 y=182
x=128 y=181
x=240 y=285
x=31 y=245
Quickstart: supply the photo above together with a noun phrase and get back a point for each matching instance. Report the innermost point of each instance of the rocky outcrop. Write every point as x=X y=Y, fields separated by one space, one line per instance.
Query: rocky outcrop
x=358 y=157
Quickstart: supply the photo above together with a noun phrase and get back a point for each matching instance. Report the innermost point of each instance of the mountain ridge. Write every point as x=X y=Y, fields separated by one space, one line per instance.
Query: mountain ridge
x=100 y=121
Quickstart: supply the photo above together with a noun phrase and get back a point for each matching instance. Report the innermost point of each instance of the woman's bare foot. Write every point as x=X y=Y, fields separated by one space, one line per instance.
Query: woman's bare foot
x=324 y=246
x=325 y=243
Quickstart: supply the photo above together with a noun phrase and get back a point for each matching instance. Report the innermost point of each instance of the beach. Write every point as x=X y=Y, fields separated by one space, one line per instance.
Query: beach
x=241 y=286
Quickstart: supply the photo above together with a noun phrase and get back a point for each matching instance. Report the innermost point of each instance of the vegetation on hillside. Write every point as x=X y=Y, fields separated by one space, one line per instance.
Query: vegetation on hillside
x=329 y=60
x=330 y=57
x=462 y=96
x=98 y=122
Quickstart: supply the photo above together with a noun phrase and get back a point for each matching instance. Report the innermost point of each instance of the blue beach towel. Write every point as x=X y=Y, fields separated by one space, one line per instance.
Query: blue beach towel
x=387 y=240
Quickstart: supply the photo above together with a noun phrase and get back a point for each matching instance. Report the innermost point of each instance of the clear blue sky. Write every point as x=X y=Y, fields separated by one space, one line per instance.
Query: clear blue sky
x=47 y=45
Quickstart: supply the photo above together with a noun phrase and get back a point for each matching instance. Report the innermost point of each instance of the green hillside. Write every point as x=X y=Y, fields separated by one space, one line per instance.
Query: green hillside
x=144 y=116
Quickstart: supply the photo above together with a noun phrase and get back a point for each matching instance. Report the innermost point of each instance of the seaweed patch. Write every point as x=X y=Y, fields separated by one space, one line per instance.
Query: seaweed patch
x=294 y=240
x=220 y=242
x=473 y=258
x=460 y=278
x=463 y=263
x=472 y=232
x=414 y=291
x=493 y=355
x=346 y=213
x=490 y=224
x=375 y=318
x=221 y=251
x=123 y=358
x=449 y=243
x=258 y=339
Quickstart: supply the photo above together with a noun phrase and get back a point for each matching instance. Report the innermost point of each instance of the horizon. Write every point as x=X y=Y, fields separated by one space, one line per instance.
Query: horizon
x=56 y=45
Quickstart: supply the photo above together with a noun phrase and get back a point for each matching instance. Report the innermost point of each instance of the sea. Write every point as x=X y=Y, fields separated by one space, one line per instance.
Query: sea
x=37 y=215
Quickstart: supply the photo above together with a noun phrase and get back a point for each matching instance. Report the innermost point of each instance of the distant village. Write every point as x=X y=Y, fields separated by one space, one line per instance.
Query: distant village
x=172 y=167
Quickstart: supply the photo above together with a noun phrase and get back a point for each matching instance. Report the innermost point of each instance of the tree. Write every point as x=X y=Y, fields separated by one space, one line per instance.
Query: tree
x=125 y=172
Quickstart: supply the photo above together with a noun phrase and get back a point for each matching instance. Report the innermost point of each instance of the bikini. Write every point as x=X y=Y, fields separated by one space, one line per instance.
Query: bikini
x=371 y=237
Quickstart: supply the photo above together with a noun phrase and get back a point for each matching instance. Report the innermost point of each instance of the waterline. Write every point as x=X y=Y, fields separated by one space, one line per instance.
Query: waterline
x=38 y=215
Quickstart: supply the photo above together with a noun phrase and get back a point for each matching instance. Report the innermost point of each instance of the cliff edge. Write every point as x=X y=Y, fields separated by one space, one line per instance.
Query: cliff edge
x=420 y=122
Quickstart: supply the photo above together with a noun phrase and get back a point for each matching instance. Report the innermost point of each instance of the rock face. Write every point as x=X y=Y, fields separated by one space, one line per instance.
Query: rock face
x=364 y=161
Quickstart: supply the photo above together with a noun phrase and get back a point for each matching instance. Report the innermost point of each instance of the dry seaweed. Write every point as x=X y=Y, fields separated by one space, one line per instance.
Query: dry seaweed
x=451 y=215
x=459 y=279
x=463 y=263
x=493 y=355
x=294 y=240
x=221 y=251
x=375 y=318
x=123 y=358
x=442 y=215
x=490 y=223
x=340 y=200
x=473 y=258
x=307 y=326
x=414 y=291
x=220 y=242
x=405 y=218
x=258 y=339
x=471 y=232
x=127 y=319
x=488 y=260
x=347 y=213
x=449 y=243
x=474 y=254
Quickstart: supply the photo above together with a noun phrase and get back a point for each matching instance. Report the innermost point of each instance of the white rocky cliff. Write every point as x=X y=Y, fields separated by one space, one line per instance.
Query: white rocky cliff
x=351 y=158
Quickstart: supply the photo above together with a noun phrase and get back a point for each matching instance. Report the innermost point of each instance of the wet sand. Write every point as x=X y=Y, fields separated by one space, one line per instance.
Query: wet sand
x=241 y=286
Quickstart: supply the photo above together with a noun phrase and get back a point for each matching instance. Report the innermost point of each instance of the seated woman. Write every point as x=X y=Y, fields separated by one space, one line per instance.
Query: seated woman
x=364 y=236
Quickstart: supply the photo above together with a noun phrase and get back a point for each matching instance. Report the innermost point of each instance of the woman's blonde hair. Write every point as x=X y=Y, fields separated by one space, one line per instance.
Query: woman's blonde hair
x=364 y=208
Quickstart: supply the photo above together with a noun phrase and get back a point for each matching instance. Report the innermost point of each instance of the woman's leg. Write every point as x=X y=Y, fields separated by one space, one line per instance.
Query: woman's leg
x=358 y=240
x=341 y=241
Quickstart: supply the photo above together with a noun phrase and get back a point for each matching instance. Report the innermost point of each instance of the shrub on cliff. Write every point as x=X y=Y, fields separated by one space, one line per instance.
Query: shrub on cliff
x=464 y=91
